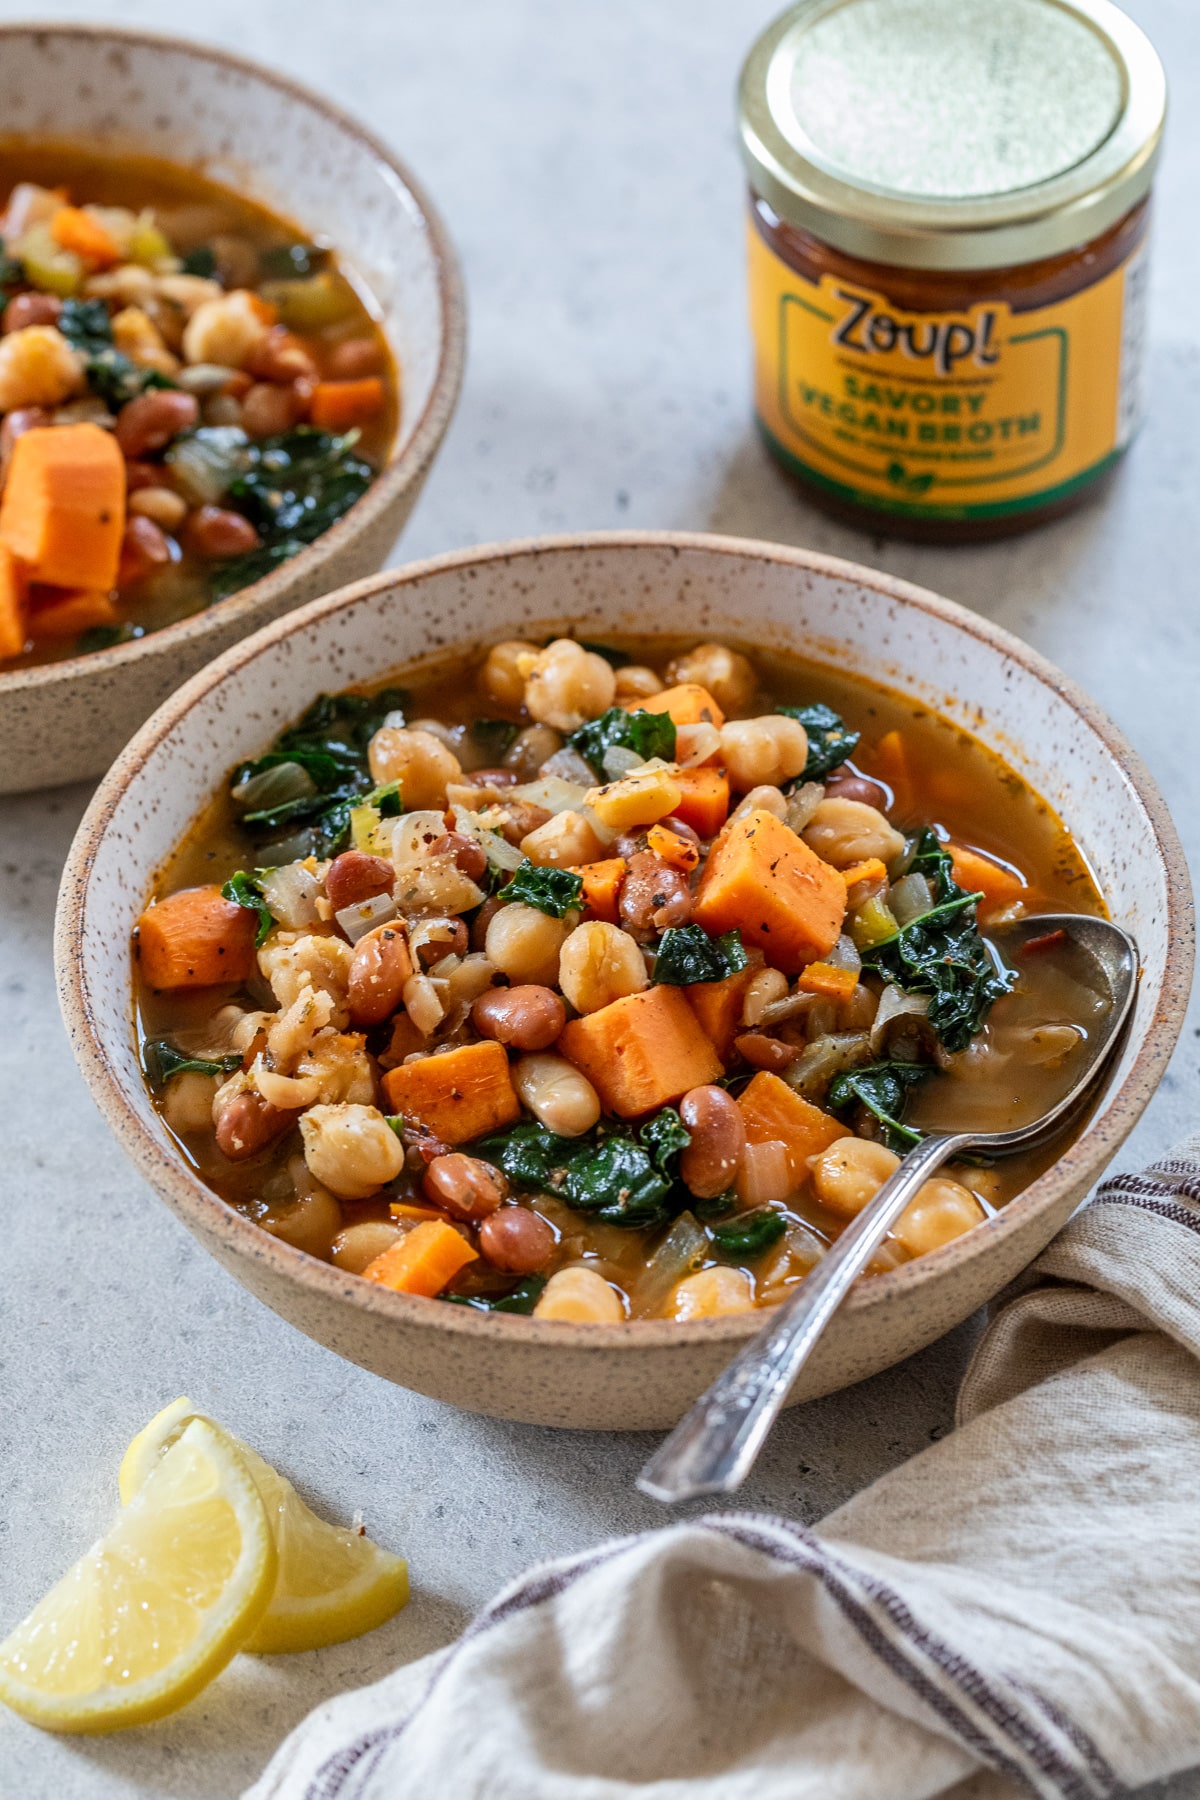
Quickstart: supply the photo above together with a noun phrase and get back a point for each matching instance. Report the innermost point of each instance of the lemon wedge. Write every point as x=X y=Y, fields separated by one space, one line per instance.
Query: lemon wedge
x=332 y=1583
x=154 y=1610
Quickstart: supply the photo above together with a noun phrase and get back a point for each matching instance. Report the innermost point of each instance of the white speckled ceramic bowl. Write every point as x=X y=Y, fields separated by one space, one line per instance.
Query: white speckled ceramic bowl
x=643 y=1374
x=297 y=154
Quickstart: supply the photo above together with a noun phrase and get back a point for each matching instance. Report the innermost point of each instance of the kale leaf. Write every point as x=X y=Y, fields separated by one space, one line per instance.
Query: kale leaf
x=553 y=891
x=494 y=736
x=942 y=954
x=292 y=488
x=162 y=1061
x=200 y=261
x=686 y=954
x=649 y=734
x=830 y=741
x=616 y=659
x=113 y=376
x=882 y=1088
x=520 y=1299
x=719 y=1207
x=750 y=1235
x=619 y=1176
x=105 y=637
x=244 y=890
x=12 y=270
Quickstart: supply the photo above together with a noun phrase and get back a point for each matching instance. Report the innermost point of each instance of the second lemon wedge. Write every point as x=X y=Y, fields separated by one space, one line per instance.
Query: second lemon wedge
x=332 y=1582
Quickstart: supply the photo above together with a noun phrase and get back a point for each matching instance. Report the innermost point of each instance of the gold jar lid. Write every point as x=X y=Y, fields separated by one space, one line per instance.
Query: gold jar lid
x=952 y=134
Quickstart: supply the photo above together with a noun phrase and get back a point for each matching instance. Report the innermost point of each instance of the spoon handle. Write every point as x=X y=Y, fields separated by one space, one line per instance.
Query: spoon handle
x=713 y=1448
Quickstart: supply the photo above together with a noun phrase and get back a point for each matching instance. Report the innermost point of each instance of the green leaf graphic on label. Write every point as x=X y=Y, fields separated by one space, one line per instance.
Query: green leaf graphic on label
x=899 y=477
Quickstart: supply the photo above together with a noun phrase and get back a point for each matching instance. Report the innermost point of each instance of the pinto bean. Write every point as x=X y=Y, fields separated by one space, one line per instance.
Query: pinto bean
x=466 y=1186
x=16 y=424
x=354 y=877
x=763 y=1052
x=152 y=420
x=467 y=853
x=246 y=1122
x=520 y=818
x=517 y=1240
x=216 y=532
x=653 y=895
x=855 y=787
x=482 y=919
x=268 y=409
x=143 y=547
x=528 y=1017
x=495 y=778
x=354 y=358
x=380 y=967
x=281 y=357
x=711 y=1161
x=447 y=937
x=30 y=309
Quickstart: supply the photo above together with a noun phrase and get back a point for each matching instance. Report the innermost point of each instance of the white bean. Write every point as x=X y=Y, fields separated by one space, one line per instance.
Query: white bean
x=558 y=1095
x=845 y=832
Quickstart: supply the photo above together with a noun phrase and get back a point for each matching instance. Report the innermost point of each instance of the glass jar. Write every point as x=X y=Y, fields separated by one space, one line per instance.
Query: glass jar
x=947 y=242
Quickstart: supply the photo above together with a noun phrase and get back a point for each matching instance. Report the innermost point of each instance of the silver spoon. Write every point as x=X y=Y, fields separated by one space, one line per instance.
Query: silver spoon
x=713 y=1448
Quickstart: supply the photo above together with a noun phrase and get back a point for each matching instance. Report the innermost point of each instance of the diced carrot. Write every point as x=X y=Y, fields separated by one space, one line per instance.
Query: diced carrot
x=602 y=888
x=64 y=612
x=400 y=1209
x=764 y=881
x=423 y=1261
x=889 y=761
x=196 y=938
x=823 y=978
x=1000 y=886
x=679 y=852
x=718 y=1006
x=641 y=1052
x=337 y=405
x=704 y=803
x=688 y=704
x=774 y=1112
x=1038 y=946
x=13 y=604
x=63 y=512
x=74 y=229
x=457 y=1096
x=870 y=870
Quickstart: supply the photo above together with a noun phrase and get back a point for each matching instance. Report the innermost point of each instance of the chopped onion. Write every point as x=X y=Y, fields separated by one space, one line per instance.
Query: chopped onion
x=551 y=792
x=844 y=955
x=682 y=1250
x=696 y=744
x=604 y=832
x=568 y=765
x=910 y=897
x=274 y=787
x=422 y=1004
x=499 y=852
x=765 y=1174
x=894 y=1004
x=450 y=735
x=619 y=760
x=365 y=915
x=205 y=378
x=412 y=835
x=424 y=932
x=287 y=1092
x=291 y=893
x=395 y=720
x=802 y=804
x=204 y=462
x=826 y=1057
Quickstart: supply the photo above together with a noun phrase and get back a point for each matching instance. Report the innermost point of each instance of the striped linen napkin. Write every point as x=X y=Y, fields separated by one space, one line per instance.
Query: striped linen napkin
x=1015 y=1611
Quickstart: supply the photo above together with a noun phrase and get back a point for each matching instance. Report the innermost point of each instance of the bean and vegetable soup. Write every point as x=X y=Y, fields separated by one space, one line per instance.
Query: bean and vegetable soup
x=603 y=983
x=190 y=393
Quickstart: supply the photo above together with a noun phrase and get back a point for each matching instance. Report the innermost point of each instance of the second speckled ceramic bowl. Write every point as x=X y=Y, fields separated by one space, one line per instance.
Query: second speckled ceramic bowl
x=641 y=1374
x=305 y=160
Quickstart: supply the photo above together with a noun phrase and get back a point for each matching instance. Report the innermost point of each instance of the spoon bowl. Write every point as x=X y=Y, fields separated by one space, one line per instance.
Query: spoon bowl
x=715 y=1444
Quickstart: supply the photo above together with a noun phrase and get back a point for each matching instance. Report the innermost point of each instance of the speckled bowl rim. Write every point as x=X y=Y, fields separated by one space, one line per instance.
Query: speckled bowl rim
x=396 y=478
x=1080 y=1164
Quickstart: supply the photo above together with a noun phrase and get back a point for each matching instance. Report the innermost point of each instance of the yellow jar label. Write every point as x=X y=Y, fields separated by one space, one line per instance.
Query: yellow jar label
x=945 y=415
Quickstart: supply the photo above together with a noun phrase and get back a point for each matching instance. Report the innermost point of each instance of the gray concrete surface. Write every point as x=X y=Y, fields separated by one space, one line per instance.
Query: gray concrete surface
x=584 y=157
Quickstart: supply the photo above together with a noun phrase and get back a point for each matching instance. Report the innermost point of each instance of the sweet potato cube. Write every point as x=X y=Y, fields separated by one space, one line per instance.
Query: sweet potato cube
x=718 y=1006
x=423 y=1261
x=978 y=874
x=774 y=1113
x=642 y=1052
x=457 y=1096
x=13 y=604
x=688 y=704
x=196 y=938
x=703 y=799
x=602 y=888
x=764 y=881
x=63 y=511
x=65 y=612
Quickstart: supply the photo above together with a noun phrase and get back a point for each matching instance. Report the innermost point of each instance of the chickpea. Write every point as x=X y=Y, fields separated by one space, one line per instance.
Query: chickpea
x=727 y=674
x=188 y=1102
x=500 y=678
x=161 y=504
x=38 y=368
x=524 y=944
x=352 y=1150
x=711 y=1294
x=850 y=1173
x=711 y=1161
x=943 y=1210
x=567 y=685
x=580 y=1296
x=359 y=1245
x=420 y=762
x=218 y=532
x=558 y=1095
x=465 y=1186
x=525 y=1017
x=149 y=422
x=468 y=853
x=225 y=330
x=763 y=752
x=244 y=1122
x=598 y=964
x=762 y=799
x=379 y=973
x=354 y=877
x=567 y=839
x=845 y=832
x=763 y=990
x=635 y=682
x=517 y=1240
